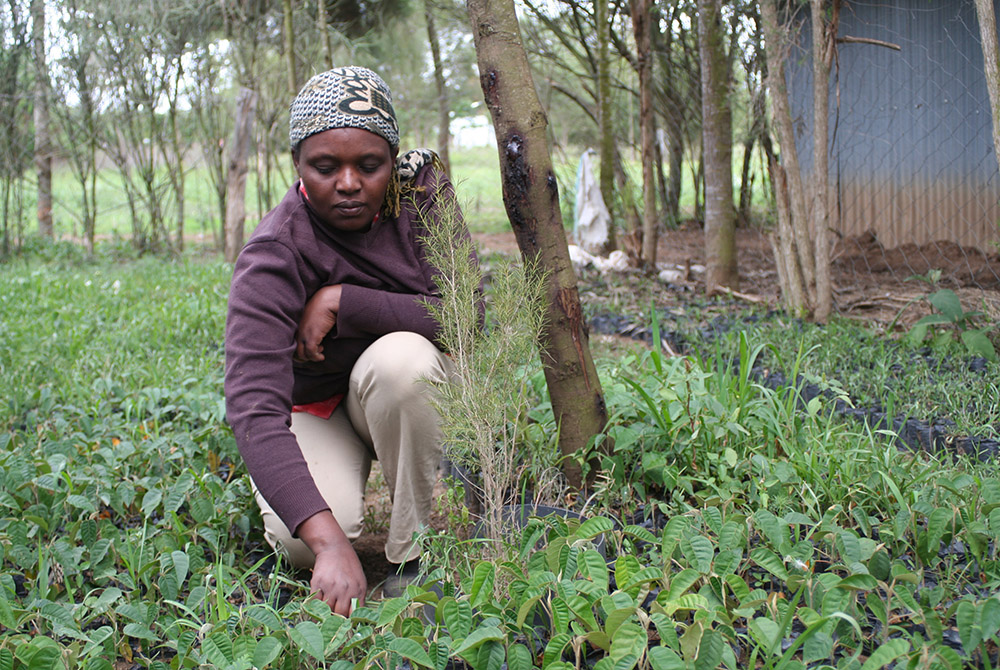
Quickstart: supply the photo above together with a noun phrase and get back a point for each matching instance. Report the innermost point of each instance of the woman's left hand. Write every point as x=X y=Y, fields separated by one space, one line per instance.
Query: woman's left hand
x=318 y=319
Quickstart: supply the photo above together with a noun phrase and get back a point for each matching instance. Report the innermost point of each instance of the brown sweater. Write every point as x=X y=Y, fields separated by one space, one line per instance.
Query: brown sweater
x=289 y=257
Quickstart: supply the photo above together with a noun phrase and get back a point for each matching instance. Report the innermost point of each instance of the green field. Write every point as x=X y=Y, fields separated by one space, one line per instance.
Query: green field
x=741 y=527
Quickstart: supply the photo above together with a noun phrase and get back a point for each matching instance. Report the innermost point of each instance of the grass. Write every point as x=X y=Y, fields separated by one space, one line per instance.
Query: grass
x=745 y=528
x=475 y=171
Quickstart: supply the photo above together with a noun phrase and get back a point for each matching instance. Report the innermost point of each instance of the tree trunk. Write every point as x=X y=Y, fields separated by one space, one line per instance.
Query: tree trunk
x=444 y=109
x=824 y=36
x=801 y=241
x=604 y=118
x=43 y=143
x=239 y=150
x=717 y=150
x=532 y=202
x=324 y=33
x=991 y=62
x=289 y=44
x=640 y=26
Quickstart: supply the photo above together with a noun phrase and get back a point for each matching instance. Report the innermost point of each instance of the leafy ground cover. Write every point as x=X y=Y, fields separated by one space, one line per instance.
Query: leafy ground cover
x=742 y=527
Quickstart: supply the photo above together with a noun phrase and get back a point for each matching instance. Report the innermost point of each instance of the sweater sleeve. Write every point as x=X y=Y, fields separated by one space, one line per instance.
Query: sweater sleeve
x=265 y=303
x=371 y=313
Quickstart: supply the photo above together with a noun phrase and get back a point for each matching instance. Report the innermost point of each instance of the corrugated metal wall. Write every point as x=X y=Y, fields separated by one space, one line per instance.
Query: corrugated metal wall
x=912 y=150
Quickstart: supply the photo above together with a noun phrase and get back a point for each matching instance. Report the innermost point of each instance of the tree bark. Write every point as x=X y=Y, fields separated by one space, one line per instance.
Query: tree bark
x=801 y=240
x=444 y=109
x=43 y=142
x=532 y=202
x=717 y=149
x=991 y=62
x=239 y=150
x=640 y=26
x=322 y=25
x=824 y=36
x=288 y=30
x=604 y=118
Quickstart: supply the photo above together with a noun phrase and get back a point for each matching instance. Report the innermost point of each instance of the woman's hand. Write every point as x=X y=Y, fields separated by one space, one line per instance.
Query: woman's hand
x=337 y=577
x=318 y=319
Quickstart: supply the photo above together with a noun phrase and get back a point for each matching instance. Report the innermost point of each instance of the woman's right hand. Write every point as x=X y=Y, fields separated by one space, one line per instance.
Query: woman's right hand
x=337 y=577
x=318 y=319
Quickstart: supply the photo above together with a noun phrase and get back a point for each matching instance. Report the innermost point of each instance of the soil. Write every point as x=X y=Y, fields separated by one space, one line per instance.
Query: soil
x=871 y=283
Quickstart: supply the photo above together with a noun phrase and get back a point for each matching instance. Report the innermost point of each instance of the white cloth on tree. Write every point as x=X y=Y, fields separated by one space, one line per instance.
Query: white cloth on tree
x=592 y=220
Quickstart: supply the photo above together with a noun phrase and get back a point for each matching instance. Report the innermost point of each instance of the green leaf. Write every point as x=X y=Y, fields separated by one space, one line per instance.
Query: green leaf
x=218 y=649
x=482 y=583
x=390 y=609
x=594 y=526
x=151 y=501
x=969 y=629
x=672 y=533
x=644 y=576
x=738 y=587
x=859 y=582
x=629 y=640
x=886 y=654
x=554 y=648
x=309 y=639
x=639 y=533
x=491 y=656
x=699 y=551
x=848 y=546
x=519 y=658
x=268 y=649
x=766 y=632
x=6 y=659
x=81 y=502
x=768 y=560
x=478 y=637
x=592 y=566
x=181 y=563
x=979 y=344
x=140 y=631
x=947 y=302
x=938 y=525
x=709 y=651
x=681 y=582
x=879 y=565
x=457 y=617
x=412 y=651
x=990 y=617
x=664 y=658
x=265 y=616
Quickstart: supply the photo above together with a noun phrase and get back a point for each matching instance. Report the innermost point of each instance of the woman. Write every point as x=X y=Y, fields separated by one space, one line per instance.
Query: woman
x=329 y=343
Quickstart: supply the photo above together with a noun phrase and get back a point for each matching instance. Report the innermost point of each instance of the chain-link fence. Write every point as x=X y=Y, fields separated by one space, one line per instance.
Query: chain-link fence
x=916 y=180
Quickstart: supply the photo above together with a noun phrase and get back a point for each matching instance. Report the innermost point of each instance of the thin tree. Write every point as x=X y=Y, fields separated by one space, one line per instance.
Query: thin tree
x=717 y=149
x=15 y=122
x=800 y=241
x=602 y=26
x=532 y=200
x=647 y=128
x=288 y=34
x=323 y=26
x=991 y=61
x=79 y=123
x=43 y=141
x=239 y=151
x=441 y=86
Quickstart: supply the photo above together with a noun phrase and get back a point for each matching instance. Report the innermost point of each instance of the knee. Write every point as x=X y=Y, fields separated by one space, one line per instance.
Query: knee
x=400 y=363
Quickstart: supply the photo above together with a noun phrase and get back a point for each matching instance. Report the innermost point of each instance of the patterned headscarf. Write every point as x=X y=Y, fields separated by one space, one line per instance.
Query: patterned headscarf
x=344 y=97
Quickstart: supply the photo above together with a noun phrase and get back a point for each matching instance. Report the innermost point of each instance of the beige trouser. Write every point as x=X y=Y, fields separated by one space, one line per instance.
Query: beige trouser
x=387 y=414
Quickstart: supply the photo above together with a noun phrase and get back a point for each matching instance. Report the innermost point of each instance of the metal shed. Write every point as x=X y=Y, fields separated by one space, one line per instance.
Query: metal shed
x=911 y=145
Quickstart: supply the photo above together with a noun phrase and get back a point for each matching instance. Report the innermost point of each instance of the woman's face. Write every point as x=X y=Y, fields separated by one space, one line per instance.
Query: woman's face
x=345 y=172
